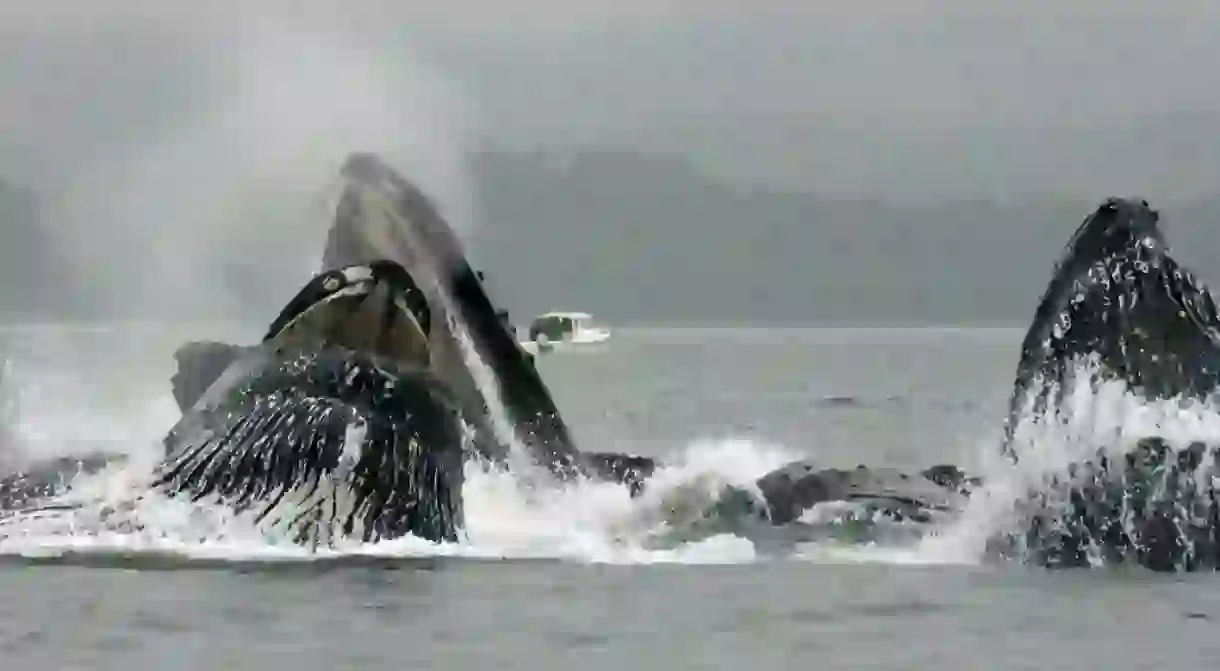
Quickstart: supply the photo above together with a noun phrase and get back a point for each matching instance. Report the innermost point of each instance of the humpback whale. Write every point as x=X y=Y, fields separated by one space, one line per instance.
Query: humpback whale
x=356 y=413
x=1120 y=301
x=335 y=425
x=1118 y=296
x=382 y=216
x=1117 y=300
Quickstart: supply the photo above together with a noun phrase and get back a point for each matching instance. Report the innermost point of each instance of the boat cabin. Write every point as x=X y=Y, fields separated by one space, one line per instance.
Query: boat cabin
x=559 y=326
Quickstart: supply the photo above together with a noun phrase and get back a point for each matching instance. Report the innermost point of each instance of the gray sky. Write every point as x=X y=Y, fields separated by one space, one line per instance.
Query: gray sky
x=916 y=99
x=873 y=99
x=166 y=131
x=177 y=147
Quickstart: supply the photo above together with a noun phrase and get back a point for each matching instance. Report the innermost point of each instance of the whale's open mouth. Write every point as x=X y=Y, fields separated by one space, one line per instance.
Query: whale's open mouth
x=375 y=308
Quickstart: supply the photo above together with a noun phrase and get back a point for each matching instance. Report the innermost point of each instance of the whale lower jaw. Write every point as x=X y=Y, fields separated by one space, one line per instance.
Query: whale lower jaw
x=325 y=507
x=319 y=512
x=317 y=446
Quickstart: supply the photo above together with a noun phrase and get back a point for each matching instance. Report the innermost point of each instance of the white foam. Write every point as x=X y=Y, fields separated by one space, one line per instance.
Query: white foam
x=582 y=521
x=588 y=522
x=1097 y=415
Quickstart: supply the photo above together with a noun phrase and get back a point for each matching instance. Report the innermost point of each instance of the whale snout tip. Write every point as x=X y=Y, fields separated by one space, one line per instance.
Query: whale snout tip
x=1120 y=203
x=1131 y=205
x=364 y=166
x=1120 y=217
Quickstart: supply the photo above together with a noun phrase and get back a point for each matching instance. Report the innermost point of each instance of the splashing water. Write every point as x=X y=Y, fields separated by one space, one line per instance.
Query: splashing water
x=268 y=106
x=485 y=380
x=1099 y=418
x=60 y=412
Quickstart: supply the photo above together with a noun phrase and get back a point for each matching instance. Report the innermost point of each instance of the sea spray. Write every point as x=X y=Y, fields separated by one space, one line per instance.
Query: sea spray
x=485 y=380
x=1074 y=456
x=178 y=150
x=175 y=147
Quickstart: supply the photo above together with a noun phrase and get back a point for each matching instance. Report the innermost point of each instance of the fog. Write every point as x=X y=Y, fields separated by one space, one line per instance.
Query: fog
x=183 y=155
x=181 y=152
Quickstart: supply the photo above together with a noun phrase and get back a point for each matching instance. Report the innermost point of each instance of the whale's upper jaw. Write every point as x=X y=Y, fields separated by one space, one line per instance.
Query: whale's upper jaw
x=1119 y=231
x=1119 y=280
x=367 y=227
x=1118 y=225
x=380 y=215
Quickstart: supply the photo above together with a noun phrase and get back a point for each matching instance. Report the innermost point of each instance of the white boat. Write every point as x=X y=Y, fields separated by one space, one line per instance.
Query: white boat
x=564 y=330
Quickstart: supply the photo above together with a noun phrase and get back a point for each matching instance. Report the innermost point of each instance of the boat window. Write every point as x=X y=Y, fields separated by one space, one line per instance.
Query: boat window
x=555 y=327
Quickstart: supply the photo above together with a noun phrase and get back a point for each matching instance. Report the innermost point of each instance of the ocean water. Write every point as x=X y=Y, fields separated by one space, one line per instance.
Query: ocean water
x=567 y=577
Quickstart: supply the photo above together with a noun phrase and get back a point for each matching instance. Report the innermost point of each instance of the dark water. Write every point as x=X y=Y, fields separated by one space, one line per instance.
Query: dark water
x=898 y=397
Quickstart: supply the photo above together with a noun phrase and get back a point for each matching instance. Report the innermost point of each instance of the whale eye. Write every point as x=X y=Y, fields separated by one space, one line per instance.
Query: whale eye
x=330 y=284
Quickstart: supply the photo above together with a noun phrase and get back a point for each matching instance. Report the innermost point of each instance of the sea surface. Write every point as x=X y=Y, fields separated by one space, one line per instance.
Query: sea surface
x=565 y=580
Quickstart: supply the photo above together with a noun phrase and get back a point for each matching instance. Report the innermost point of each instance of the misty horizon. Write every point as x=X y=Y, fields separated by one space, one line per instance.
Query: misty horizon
x=882 y=163
x=641 y=239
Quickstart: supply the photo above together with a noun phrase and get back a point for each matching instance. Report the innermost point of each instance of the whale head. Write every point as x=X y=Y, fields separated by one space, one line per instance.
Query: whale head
x=1120 y=300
